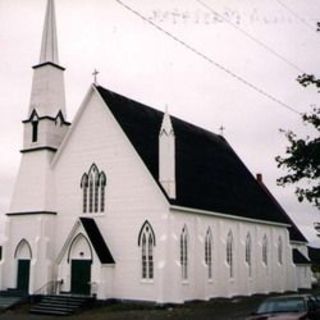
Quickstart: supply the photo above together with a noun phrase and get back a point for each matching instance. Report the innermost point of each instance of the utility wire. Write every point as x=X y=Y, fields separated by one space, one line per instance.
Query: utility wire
x=308 y=25
x=208 y=59
x=260 y=43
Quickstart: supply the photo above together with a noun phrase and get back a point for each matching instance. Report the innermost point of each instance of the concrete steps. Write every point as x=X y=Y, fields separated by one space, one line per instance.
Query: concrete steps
x=62 y=305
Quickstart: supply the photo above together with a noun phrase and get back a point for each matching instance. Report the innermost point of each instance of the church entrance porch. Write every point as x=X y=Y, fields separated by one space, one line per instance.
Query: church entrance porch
x=80 y=276
x=23 y=275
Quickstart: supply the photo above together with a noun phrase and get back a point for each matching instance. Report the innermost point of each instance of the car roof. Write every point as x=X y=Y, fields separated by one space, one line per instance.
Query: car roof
x=290 y=296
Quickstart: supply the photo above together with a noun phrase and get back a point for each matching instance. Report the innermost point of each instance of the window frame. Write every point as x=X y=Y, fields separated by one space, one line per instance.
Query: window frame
x=280 y=250
x=230 y=254
x=248 y=253
x=93 y=184
x=147 y=243
x=208 y=248
x=265 y=250
x=184 y=253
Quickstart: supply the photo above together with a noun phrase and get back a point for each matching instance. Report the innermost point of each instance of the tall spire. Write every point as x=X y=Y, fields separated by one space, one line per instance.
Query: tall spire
x=47 y=94
x=49 y=46
x=166 y=125
x=167 y=158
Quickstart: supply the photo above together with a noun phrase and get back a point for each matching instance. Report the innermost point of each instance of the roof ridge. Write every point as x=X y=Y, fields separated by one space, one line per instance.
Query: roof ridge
x=173 y=118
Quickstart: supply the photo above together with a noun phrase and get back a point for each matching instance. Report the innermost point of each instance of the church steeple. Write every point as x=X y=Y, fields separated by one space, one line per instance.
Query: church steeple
x=49 y=46
x=47 y=95
x=44 y=127
x=46 y=123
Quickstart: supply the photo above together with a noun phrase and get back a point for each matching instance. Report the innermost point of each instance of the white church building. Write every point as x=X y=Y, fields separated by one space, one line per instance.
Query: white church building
x=128 y=202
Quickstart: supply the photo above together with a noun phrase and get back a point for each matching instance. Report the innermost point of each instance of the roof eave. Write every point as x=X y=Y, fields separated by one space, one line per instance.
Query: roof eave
x=227 y=216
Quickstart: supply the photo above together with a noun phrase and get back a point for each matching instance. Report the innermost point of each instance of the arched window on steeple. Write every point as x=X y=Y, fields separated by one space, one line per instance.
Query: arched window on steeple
x=93 y=184
x=35 y=125
x=147 y=241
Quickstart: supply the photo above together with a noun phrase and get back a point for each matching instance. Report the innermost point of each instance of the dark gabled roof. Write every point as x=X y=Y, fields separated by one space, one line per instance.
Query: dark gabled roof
x=209 y=174
x=97 y=240
x=314 y=254
x=299 y=258
x=295 y=233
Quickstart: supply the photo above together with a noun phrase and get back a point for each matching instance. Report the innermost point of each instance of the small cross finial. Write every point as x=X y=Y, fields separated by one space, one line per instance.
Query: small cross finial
x=95 y=76
x=222 y=128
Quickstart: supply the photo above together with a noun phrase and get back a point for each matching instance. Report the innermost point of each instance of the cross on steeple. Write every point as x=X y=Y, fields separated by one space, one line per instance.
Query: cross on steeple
x=95 y=76
x=221 y=129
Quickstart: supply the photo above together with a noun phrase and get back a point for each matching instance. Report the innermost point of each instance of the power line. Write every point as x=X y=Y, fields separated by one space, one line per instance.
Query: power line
x=250 y=36
x=313 y=28
x=208 y=59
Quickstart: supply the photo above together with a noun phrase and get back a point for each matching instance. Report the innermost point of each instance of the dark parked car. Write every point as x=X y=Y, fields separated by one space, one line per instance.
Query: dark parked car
x=288 y=307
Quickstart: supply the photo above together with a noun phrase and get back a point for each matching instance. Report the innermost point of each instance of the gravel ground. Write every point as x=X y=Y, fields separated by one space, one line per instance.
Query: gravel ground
x=215 y=309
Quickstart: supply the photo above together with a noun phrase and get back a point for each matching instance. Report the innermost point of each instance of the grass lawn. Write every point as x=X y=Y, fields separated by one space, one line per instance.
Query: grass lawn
x=223 y=309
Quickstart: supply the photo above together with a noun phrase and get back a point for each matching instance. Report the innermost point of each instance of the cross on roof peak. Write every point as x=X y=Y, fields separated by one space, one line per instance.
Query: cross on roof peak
x=95 y=76
x=222 y=129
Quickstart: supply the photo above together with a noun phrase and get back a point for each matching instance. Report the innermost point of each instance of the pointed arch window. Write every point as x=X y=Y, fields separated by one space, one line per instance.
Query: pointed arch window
x=96 y=193
x=229 y=253
x=147 y=241
x=84 y=187
x=90 y=193
x=103 y=182
x=265 y=250
x=184 y=253
x=248 y=253
x=208 y=252
x=93 y=185
x=35 y=126
x=280 y=250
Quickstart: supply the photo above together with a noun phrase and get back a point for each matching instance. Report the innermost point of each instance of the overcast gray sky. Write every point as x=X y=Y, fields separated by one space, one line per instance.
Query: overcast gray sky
x=139 y=61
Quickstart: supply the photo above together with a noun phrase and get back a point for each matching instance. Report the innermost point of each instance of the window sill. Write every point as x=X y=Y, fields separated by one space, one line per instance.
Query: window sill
x=147 y=281
x=185 y=282
x=92 y=214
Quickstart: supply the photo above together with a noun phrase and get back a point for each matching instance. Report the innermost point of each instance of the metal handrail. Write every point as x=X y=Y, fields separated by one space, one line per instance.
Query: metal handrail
x=51 y=287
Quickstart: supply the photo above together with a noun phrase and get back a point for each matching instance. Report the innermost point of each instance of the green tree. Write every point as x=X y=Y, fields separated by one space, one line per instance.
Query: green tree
x=302 y=157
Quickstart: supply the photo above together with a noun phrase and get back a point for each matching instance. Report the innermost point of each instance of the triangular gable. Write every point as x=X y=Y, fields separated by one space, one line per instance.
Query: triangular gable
x=95 y=237
x=71 y=129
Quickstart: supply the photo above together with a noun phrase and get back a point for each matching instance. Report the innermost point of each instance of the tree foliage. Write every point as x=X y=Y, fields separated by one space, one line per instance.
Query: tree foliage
x=302 y=158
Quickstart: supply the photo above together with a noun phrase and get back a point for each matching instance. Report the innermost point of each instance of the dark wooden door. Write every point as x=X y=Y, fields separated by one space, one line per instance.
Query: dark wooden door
x=23 y=275
x=80 y=276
